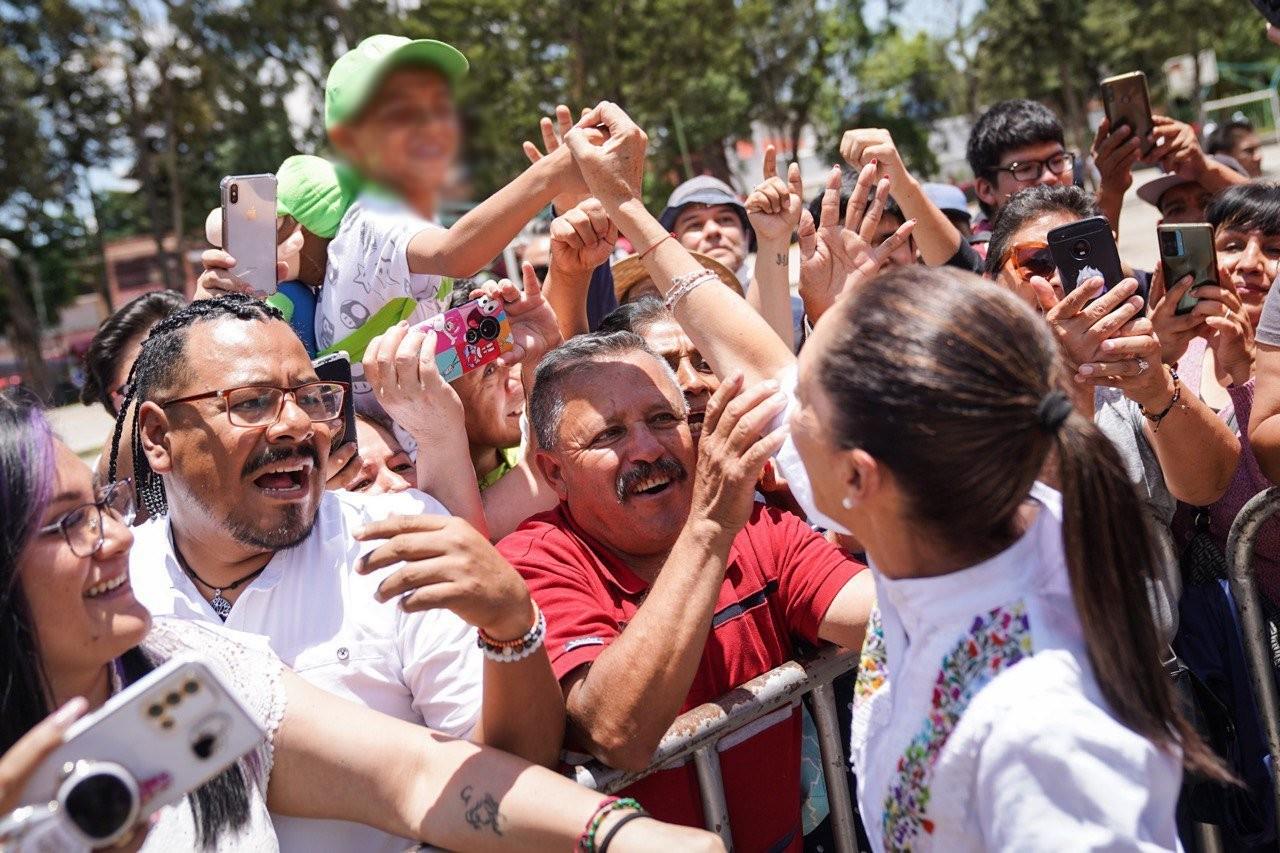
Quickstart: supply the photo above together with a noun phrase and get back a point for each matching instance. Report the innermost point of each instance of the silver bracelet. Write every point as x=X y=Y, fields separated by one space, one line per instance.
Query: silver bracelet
x=510 y=652
x=685 y=284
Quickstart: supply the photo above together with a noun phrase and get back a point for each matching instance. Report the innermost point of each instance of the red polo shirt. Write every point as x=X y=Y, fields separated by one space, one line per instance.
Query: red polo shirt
x=780 y=580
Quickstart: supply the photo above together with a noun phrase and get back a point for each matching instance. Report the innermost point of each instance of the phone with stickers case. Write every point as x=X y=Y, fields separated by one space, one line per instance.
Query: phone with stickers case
x=171 y=731
x=1084 y=250
x=469 y=336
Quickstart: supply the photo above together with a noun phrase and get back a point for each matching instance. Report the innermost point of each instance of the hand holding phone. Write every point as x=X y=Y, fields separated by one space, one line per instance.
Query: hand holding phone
x=1127 y=102
x=469 y=336
x=146 y=748
x=249 y=229
x=1187 y=249
x=1084 y=250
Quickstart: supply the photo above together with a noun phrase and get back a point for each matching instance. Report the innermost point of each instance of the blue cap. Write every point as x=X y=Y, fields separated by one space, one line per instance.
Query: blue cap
x=947 y=197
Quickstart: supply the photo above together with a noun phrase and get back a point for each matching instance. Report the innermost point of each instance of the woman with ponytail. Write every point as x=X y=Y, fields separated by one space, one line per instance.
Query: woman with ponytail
x=1011 y=694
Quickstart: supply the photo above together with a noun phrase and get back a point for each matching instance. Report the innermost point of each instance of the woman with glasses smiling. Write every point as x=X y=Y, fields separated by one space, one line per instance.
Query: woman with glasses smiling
x=72 y=634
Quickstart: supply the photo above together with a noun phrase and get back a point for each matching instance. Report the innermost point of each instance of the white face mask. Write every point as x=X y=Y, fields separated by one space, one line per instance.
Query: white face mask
x=792 y=467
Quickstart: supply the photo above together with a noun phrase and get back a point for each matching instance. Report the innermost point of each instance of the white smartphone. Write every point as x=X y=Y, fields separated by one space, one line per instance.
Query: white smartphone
x=249 y=228
x=169 y=734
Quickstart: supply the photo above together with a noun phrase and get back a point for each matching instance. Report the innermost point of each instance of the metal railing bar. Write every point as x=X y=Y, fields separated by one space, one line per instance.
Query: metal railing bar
x=715 y=810
x=1253 y=630
x=834 y=766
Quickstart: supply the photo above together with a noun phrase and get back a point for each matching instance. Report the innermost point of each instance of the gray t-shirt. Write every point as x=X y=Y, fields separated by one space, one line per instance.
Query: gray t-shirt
x=1268 y=331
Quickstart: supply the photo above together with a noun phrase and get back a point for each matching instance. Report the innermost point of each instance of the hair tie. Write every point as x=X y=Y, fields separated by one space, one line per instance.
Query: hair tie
x=1053 y=410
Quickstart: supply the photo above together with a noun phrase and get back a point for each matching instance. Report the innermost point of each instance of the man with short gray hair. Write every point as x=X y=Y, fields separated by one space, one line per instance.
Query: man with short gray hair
x=664 y=584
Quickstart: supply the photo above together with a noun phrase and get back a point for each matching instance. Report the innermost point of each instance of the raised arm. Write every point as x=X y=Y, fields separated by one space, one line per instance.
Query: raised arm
x=725 y=329
x=936 y=237
x=774 y=211
x=479 y=236
x=338 y=760
x=582 y=239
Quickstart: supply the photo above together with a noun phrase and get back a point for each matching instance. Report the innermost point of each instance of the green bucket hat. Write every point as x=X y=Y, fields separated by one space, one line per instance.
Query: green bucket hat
x=315 y=192
x=356 y=74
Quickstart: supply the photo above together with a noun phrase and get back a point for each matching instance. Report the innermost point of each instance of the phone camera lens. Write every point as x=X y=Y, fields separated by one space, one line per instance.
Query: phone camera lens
x=1080 y=249
x=102 y=803
x=234 y=193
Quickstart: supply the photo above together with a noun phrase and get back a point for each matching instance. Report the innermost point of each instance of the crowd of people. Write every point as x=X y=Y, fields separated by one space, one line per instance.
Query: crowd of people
x=1010 y=491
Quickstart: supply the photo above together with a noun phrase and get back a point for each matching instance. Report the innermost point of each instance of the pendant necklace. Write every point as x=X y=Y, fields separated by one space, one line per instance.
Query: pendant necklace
x=219 y=604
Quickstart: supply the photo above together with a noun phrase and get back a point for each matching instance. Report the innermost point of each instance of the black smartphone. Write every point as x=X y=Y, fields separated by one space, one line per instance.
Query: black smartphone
x=1269 y=9
x=1084 y=250
x=1184 y=249
x=336 y=367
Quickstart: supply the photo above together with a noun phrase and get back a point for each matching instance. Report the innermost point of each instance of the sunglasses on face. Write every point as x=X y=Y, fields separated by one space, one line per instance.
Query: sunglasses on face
x=82 y=526
x=261 y=405
x=1031 y=259
x=1025 y=171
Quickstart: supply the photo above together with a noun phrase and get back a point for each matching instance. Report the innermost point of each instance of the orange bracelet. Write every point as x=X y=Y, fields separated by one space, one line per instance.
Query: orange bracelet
x=665 y=237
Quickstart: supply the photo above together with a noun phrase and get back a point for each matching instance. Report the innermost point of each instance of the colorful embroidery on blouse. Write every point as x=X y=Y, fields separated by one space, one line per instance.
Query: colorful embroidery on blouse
x=995 y=642
x=871 y=667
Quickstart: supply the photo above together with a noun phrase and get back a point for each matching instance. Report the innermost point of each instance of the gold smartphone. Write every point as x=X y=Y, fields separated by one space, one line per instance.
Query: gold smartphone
x=1126 y=101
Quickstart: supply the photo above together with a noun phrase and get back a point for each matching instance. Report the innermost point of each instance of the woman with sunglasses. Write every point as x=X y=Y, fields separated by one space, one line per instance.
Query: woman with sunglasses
x=1119 y=379
x=69 y=620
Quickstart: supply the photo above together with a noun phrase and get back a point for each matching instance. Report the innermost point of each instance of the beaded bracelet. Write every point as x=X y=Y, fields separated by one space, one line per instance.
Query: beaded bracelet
x=587 y=840
x=1159 y=416
x=510 y=651
x=685 y=284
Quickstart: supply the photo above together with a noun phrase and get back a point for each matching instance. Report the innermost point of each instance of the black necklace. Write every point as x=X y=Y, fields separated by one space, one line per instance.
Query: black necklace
x=219 y=604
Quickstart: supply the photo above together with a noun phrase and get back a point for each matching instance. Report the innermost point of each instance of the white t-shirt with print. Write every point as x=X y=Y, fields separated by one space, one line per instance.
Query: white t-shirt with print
x=368 y=268
x=323 y=621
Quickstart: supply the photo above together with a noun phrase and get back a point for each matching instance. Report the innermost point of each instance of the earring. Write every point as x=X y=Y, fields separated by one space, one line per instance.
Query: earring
x=847 y=503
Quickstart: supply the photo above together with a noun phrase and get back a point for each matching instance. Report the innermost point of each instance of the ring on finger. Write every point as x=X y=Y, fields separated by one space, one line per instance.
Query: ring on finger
x=1143 y=364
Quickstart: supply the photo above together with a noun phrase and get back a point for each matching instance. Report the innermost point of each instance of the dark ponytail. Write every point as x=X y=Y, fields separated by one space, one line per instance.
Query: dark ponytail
x=1111 y=560
x=957 y=388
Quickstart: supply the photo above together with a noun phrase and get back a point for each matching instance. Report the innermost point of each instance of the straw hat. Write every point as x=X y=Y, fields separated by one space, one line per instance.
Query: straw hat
x=630 y=271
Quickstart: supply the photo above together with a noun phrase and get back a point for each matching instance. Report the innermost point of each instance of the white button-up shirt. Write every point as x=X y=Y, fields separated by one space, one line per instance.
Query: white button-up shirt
x=322 y=619
x=979 y=725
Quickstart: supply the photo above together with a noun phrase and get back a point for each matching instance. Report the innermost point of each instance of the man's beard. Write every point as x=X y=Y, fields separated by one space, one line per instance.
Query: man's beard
x=292 y=530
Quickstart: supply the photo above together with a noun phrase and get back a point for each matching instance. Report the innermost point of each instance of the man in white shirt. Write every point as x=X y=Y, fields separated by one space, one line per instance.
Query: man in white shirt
x=231 y=438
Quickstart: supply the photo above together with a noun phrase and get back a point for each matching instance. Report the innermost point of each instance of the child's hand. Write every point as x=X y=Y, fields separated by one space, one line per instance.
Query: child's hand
x=533 y=322
x=572 y=196
x=400 y=364
x=774 y=206
x=582 y=239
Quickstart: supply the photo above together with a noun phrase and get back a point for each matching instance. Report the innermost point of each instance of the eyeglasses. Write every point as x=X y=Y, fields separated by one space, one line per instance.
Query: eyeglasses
x=82 y=526
x=1030 y=259
x=261 y=405
x=1025 y=171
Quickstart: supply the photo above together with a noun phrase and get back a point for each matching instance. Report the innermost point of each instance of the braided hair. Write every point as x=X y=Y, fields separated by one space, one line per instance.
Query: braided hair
x=160 y=366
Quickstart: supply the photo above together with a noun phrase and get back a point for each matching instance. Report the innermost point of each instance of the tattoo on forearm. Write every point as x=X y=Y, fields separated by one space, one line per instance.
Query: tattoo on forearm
x=780 y=259
x=482 y=810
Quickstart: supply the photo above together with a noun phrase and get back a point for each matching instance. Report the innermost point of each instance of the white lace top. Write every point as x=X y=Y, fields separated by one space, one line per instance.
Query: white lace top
x=252 y=671
x=978 y=723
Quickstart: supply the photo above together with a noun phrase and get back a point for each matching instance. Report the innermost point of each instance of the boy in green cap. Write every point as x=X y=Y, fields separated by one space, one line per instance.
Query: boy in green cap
x=390 y=113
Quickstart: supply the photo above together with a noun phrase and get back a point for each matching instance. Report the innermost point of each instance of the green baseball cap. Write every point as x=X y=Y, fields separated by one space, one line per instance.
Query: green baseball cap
x=355 y=76
x=315 y=192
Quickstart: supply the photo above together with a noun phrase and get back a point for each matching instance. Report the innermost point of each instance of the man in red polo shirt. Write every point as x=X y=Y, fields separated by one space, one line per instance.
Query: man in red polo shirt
x=664 y=584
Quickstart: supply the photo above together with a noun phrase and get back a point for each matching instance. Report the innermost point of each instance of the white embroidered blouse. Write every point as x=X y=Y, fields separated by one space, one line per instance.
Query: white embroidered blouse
x=978 y=723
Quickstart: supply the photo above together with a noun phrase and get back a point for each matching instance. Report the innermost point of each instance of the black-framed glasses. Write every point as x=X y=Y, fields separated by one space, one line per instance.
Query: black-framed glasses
x=261 y=405
x=1025 y=171
x=82 y=526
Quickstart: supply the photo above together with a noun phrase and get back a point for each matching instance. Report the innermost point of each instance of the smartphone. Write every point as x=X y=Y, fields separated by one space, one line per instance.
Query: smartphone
x=1084 y=250
x=336 y=367
x=1126 y=101
x=1187 y=249
x=249 y=229
x=167 y=734
x=469 y=336
x=1269 y=9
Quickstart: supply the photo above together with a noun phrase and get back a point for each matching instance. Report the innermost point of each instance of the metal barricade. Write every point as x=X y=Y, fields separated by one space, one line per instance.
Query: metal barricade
x=697 y=732
x=1253 y=627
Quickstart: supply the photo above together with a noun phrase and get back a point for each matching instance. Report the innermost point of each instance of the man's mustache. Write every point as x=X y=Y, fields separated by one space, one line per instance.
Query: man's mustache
x=666 y=466
x=272 y=455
